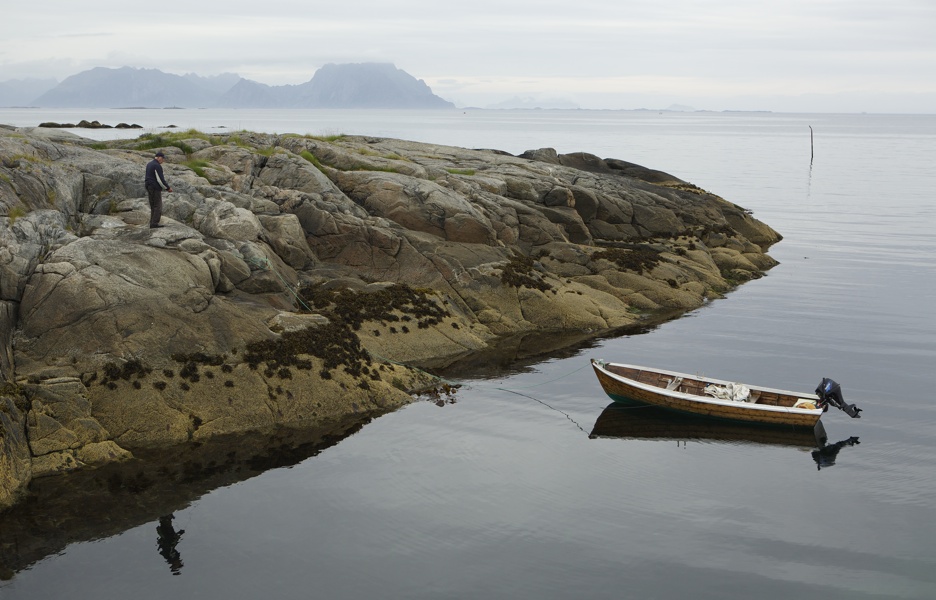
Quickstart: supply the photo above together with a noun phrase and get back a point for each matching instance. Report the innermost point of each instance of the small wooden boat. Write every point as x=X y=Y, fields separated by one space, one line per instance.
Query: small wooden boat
x=716 y=398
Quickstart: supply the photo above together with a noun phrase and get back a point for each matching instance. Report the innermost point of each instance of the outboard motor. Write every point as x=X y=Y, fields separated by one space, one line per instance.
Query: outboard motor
x=830 y=392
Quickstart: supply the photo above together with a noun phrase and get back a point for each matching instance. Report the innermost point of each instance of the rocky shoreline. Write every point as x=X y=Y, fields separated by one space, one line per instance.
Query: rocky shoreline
x=300 y=279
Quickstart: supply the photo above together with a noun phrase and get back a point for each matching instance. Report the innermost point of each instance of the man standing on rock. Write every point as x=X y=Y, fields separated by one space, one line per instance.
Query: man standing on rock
x=154 y=190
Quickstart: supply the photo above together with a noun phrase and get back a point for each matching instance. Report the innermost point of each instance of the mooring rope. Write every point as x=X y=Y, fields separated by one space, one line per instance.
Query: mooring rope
x=565 y=414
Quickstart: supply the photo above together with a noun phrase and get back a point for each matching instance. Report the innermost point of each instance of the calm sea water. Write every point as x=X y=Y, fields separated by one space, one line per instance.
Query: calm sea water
x=529 y=486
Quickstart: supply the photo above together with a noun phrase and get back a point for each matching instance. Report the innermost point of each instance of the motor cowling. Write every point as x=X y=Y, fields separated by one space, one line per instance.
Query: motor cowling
x=830 y=392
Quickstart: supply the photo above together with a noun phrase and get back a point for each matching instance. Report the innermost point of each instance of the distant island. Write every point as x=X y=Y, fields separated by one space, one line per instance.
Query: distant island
x=358 y=85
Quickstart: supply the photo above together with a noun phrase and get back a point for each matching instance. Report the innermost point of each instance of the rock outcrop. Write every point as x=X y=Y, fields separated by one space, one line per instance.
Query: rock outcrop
x=297 y=275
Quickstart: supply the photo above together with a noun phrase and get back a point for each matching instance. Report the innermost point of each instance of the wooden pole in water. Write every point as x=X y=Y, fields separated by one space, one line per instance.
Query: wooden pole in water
x=811 y=151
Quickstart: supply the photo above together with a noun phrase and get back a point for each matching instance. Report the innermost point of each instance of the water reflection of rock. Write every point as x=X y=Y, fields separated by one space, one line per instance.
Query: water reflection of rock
x=89 y=505
x=520 y=353
x=651 y=423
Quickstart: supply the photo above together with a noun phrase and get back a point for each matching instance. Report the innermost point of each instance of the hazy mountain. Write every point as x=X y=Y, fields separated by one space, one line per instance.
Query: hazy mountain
x=126 y=87
x=366 y=85
x=217 y=83
x=22 y=92
x=362 y=85
x=250 y=94
x=358 y=85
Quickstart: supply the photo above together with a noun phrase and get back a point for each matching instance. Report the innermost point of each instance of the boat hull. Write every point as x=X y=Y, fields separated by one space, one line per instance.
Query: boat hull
x=624 y=389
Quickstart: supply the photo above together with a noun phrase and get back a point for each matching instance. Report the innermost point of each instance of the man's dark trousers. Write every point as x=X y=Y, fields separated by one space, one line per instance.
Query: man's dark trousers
x=155 y=202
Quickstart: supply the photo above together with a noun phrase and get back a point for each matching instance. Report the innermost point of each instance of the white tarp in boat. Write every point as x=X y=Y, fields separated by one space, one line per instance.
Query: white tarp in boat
x=737 y=392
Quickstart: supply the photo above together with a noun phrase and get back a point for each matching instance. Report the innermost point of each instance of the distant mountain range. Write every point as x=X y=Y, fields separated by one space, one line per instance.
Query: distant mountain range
x=358 y=85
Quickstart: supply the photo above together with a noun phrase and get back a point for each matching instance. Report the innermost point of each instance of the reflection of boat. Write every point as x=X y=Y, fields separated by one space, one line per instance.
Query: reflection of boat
x=643 y=422
x=652 y=423
x=704 y=396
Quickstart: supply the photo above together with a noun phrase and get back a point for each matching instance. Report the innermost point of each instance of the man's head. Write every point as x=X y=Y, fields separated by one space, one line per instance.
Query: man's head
x=160 y=156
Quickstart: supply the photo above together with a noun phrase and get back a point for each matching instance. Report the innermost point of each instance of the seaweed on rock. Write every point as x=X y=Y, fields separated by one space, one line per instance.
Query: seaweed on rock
x=353 y=308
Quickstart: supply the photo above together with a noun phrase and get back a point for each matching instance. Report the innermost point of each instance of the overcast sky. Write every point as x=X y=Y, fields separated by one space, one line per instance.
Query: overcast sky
x=781 y=55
